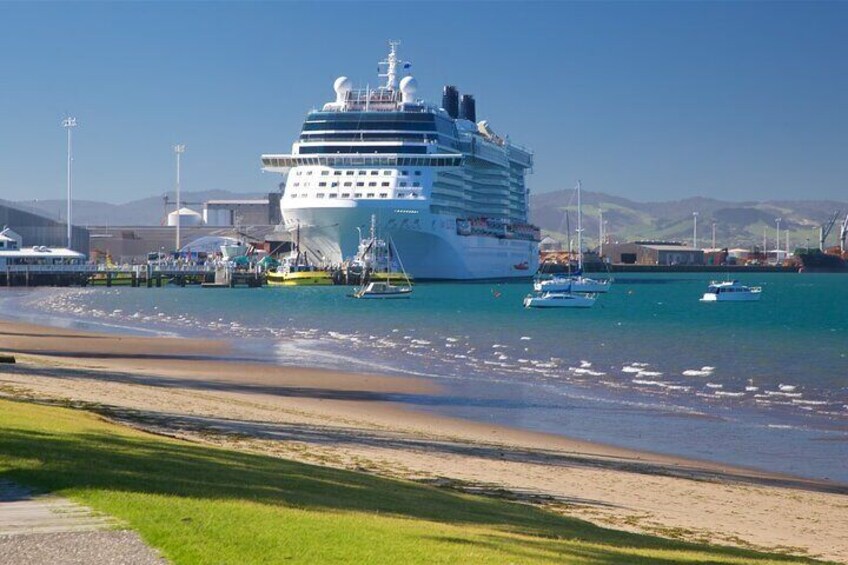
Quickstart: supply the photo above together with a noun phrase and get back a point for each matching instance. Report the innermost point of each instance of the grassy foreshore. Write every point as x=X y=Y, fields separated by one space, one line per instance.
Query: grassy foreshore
x=201 y=504
x=260 y=500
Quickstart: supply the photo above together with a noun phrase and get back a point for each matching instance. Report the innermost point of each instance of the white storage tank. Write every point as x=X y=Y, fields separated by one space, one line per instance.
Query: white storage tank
x=188 y=217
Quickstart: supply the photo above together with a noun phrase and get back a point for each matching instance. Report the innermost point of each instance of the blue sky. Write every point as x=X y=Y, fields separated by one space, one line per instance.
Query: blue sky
x=650 y=101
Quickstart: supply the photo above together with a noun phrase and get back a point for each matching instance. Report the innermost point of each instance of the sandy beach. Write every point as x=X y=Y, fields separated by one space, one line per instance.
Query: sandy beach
x=195 y=389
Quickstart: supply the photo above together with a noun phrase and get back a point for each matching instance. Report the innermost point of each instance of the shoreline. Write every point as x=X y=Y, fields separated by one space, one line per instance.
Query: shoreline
x=182 y=388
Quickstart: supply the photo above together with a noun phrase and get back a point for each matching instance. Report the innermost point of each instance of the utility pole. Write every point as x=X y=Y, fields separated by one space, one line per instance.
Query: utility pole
x=69 y=123
x=178 y=150
x=777 y=241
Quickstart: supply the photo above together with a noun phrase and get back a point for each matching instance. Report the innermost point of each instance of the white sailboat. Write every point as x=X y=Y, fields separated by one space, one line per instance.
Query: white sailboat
x=574 y=282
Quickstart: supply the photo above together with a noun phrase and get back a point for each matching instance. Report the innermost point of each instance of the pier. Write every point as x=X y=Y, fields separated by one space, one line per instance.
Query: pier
x=147 y=276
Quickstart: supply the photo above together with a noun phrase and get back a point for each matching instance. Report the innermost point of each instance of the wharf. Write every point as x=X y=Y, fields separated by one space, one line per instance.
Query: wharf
x=148 y=276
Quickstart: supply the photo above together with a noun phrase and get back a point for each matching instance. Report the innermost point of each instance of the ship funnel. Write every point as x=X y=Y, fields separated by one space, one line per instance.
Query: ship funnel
x=468 y=108
x=450 y=101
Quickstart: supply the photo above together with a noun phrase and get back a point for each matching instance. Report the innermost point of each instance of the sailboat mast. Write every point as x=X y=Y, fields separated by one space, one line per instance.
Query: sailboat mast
x=579 y=230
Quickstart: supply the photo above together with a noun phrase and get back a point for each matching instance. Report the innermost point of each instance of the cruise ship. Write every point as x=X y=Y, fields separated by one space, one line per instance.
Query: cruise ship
x=446 y=189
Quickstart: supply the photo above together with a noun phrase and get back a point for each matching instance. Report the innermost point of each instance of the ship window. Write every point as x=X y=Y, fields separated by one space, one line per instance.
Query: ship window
x=387 y=172
x=401 y=195
x=345 y=195
x=334 y=195
x=292 y=195
x=370 y=195
x=416 y=184
x=348 y=184
x=320 y=195
x=348 y=173
x=417 y=173
x=403 y=183
x=298 y=173
x=372 y=184
x=375 y=172
x=385 y=184
x=337 y=173
x=334 y=184
x=322 y=184
x=308 y=172
x=325 y=173
x=358 y=195
x=404 y=173
x=360 y=184
x=384 y=195
x=363 y=172
x=296 y=184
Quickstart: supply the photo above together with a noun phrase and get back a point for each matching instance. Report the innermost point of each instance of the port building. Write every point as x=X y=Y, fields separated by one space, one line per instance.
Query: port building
x=665 y=253
x=34 y=229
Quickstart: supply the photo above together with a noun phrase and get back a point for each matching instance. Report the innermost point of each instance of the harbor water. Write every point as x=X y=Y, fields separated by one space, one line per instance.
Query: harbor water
x=761 y=384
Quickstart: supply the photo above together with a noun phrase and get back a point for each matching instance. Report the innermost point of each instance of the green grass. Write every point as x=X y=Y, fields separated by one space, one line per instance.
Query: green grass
x=201 y=504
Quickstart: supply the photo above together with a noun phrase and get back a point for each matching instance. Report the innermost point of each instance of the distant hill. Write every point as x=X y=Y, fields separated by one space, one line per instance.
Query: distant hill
x=144 y=212
x=737 y=223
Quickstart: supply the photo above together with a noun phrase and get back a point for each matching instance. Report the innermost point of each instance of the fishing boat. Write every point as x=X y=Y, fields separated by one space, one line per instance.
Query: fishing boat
x=384 y=288
x=296 y=270
x=559 y=300
x=375 y=260
x=731 y=291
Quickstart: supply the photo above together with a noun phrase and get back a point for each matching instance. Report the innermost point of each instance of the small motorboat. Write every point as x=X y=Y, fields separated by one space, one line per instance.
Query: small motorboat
x=731 y=291
x=559 y=300
x=383 y=290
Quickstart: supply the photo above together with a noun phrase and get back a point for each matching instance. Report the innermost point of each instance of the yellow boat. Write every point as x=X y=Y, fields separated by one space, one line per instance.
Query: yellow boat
x=304 y=275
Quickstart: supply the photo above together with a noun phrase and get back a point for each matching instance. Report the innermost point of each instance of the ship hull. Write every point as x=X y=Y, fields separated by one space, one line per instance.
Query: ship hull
x=428 y=244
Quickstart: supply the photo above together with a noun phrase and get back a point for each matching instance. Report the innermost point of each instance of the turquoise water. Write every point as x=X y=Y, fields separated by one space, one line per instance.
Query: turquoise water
x=760 y=384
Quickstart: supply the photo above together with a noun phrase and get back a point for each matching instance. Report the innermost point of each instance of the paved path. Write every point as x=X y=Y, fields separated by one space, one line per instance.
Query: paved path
x=45 y=529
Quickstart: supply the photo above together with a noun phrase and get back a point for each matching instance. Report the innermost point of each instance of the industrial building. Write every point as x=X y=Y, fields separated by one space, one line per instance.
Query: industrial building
x=35 y=229
x=664 y=253
x=259 y=212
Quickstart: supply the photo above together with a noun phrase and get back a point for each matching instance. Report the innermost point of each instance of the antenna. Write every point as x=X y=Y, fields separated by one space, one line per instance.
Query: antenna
x=391 y=64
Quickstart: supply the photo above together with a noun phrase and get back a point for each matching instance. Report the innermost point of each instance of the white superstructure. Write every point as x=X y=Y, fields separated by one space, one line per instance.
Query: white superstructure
x=447 y=190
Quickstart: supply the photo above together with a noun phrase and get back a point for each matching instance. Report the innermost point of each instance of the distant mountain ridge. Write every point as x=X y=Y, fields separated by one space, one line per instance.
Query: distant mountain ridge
x=149 y=211
x=737 y=223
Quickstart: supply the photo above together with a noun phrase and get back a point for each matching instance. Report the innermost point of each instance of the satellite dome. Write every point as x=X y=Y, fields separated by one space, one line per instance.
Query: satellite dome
x=408 y=87
x=342 y=86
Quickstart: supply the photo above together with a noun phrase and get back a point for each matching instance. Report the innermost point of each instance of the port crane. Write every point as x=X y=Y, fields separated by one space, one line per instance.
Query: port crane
x=826 y=228
x=843 y=236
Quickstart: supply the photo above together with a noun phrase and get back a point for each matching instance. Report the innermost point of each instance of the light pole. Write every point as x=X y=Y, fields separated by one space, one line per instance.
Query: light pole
x=179 y=150
x=695 y=230
x=777 y=242
x=714 y=242
x=600 y=232
x=69 y=123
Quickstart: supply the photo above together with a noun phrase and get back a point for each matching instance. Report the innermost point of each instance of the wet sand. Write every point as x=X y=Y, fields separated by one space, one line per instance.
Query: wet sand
x=198 y=390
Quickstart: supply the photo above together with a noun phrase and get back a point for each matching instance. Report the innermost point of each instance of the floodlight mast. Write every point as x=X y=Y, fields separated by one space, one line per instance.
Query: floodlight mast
x=69 y=124
x=179 y=149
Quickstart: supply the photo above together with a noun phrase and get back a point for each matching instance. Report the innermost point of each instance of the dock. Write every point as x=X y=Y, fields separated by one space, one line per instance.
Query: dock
x=136 y=276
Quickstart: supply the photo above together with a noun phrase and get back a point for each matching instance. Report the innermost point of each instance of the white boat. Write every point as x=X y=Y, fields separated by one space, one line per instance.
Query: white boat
x=559 y=300
x=376 y=290
x=572 y=283
x=450 y=190
x=731 y=291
